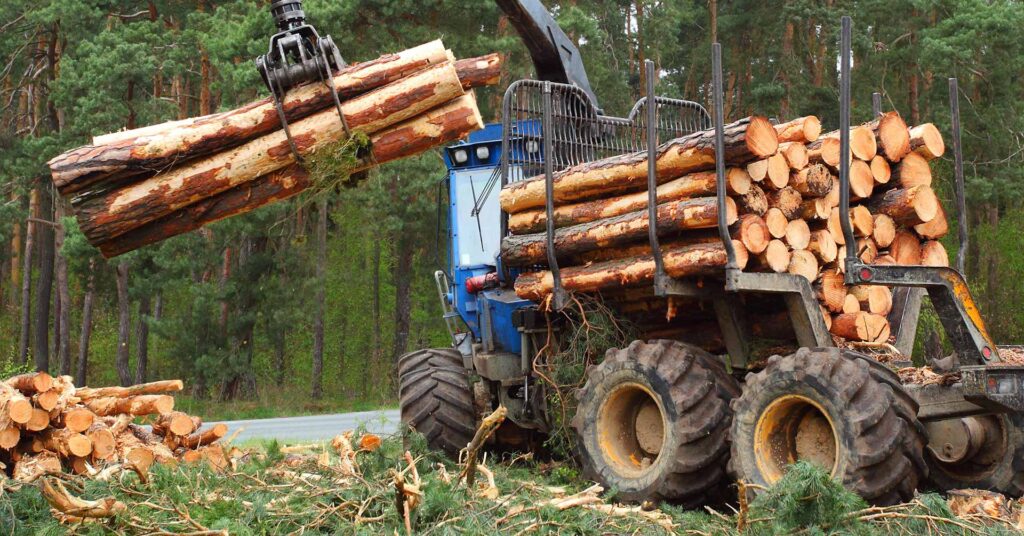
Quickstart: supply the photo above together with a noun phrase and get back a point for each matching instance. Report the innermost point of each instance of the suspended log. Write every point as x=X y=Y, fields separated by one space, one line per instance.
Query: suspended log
x=861 y=327
x=795 y=154
x=699 y=184
x=926 y=140
x=775 y=257
x=437 y=127
x=745 y=140
x=675 y=216
x=812 y=181
x=913 y=170
x=892 y=135
x=936 y=228
x=831 y=290
x=933 y=253
x=106 y=216
x=883 y=230
x=880 y=170
x=776 y=222
x=686 y=261
x=802 y=130
x=152 y=388
x=873 y=299
x=135 y=405
x=823 y=246
x=803 y=263
x=753 y=202
x=787 y=200
x=907 y=206
x=705 y=236
x=798 y=234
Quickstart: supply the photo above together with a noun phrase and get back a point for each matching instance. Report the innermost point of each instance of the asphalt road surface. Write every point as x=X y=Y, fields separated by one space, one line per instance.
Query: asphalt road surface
x=315 y=427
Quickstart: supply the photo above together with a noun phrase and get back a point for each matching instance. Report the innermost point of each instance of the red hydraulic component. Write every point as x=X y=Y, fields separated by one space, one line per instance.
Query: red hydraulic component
x=481 y=282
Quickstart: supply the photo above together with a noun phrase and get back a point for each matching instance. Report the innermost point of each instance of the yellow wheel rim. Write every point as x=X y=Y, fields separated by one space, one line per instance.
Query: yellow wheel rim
x=794 y=428
x=631 y=425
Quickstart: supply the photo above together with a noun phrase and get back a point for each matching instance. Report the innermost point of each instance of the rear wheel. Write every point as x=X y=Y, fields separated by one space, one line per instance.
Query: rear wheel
x=653 y=422
x=982 y=452
x=835 y=410
x=436 y=399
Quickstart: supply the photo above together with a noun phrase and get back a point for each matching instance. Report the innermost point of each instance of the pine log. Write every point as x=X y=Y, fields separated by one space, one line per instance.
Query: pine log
x=862 y=182
x=176 y=423
x=33 y=466
x=798 y=234
x=936 y=228
x=135 y=454
x=802 y=130
x=861 y=220
x=933 y=253
x=812 y=181
x=775 y=257
x=873 y=299
x=883 y=231
x=699 y=184
x=77 y=419
x=704 y=236
x=913 y=170
x=825 y=151
x=833 y=195
x=861 y=327
x=907 y=206
x=823 y=246
x=892 y=135
x=47 y=400
x=161 y=150
x=862 y=142
x=826 y=316
x=481 y=71
x=778 y=172
x=926 y=140
x=15 y=407
x=686 y=261
x=437 y=127
x=776 y=222
x=753 y=202
x=152 y=388
x=851 y=305
x=867 y=250
x=831 y=290
x=40 y=421
x=675 y=216
x=906 y=249
x=752 y=232
x=745 y=140
x=9 y=437
x=31 y=383
x=787 y=200
x=214 y=433
x=795 y=154
x=815 y=209
x=885 y=260
x=66 y=443
x=135 y=405
x=880 y=170
x=803 y=262
x=104 y=445
x=112 y=214
x=758 y=170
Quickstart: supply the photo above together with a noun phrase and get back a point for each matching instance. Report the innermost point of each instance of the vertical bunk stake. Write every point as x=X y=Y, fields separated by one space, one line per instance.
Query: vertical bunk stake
x=719 y=118
x=958 y=173
x=660 y=278
x=876 y=104
x=844 y=149
x=558 y=293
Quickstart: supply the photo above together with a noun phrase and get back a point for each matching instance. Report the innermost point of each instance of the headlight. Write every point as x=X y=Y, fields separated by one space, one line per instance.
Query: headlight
x=532 y=146
x=483 y=152
x=1002 y=385
x=461 y=156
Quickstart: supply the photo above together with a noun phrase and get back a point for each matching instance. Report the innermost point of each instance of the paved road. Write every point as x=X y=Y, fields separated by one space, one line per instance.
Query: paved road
x=316 y=427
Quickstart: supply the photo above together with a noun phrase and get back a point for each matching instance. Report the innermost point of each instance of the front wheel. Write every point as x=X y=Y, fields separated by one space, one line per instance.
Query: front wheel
x=436 y=399
x=981 y=452
x=835 y=410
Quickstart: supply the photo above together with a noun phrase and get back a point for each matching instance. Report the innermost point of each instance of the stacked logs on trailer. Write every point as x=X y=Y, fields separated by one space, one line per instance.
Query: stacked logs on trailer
x=782 y=209
x=50 y=426
x=134 y=188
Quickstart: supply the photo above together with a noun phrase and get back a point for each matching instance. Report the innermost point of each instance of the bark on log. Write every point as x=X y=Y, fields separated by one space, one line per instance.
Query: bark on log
x=802 y=130
x=913 y=170
x=892 y=135
x=205 y=437
x=135 y=405
x=812 y=181
x=926 y=140
x=115 y=213
x=798 y=234
x=787 y=200
x=481 y=71
x=160 y=149
x=675 y=216
x=745 y=140
x=933 y=253
x=862 y=327
x=438 y=127
x=907 y=206
x=880 y=170
x=823 y=246
x=936 y=228
x=883 y=231
x=152 y=388
x=31 y=383
x=776 y=222
x=699 y=184
x=753 y=202
x=686 y=261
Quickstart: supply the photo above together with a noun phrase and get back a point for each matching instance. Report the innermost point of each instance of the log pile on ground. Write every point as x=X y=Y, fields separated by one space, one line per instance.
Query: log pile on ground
x=50 y=426
x=133 y=188
x=783 y=194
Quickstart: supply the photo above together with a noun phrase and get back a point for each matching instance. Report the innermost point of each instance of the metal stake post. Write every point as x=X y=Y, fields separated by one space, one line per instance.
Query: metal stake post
x=719 y=118
x=958 y=173
x=876 y=104
x=558 y=294
x=844 y=145
x=660 y=278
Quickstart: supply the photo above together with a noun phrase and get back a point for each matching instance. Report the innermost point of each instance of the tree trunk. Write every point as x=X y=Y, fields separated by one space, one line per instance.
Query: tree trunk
x=124 y=321
x=44 y=288
x=16 y=253
x=403 y=274
x=82 y=370
x=317 y=389
x=442 y=125
x=142 y=338
x=26 y=283
x=63 y=319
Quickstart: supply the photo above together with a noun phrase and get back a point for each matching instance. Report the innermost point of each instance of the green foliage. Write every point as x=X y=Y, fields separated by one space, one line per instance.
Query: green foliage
x=330 y=166
x=806 y=498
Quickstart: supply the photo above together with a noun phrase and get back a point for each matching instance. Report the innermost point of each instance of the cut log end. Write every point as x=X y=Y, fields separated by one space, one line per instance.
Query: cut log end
x=761 y=138
x=803 y=263
x=926 y=140
x=798 y=234
x=775 y=257
x=776 y=222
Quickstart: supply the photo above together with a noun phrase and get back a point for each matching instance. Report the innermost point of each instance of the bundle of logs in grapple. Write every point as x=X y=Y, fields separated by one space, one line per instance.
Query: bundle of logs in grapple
x=49 y=426
x=134 y=188
x=783 y=194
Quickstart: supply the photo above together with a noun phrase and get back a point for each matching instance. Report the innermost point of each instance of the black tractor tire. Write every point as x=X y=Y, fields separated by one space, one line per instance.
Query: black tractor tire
x=834 y=408
x=618 y=430
x=436 y=398
x=998 y=466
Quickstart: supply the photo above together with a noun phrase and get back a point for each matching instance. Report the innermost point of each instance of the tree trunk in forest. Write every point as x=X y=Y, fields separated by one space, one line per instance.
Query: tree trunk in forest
x=279 y=340
x=44 y=287
x=26 y=283
x=142 y=338
x=403 y=274
x=63 y=318
x=992 y=290
x=317 y=389
x=82 y=369
x=124 y=321
x=377 y=339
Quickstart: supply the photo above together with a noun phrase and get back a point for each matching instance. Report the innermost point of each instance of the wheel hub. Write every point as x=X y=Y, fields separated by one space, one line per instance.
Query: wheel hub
x=631 y=429
x=790 y=429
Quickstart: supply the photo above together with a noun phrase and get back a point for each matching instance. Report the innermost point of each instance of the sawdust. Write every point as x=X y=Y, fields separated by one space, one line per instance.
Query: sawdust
x=1012 y=355
x=926 y=376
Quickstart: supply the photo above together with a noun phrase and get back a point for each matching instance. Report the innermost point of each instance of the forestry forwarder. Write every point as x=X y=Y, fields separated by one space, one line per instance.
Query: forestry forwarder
x=664 y=419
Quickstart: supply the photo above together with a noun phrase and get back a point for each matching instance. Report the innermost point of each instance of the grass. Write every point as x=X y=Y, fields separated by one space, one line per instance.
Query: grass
x=271 y=493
